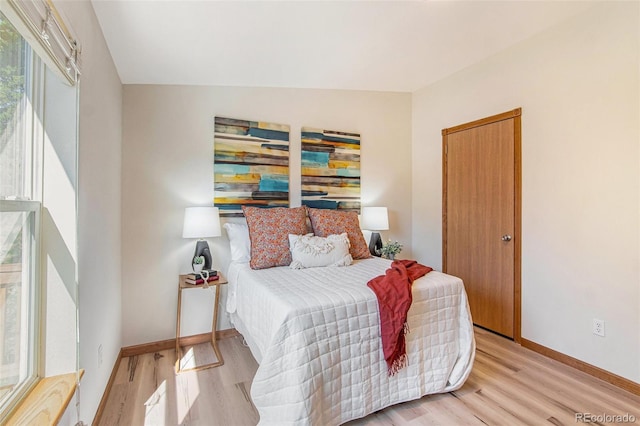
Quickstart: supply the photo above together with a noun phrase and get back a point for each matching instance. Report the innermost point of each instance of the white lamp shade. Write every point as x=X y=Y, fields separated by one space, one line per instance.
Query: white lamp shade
x=375 y=218
x=201 y=222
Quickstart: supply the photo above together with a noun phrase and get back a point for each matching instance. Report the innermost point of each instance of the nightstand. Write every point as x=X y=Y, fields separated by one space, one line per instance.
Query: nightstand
x=182 y=285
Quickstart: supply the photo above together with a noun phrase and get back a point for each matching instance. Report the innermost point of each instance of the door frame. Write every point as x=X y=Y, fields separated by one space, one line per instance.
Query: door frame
x=517 y=232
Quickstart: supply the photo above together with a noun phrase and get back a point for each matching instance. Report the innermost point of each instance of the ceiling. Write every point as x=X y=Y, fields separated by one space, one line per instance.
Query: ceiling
x=360 y=45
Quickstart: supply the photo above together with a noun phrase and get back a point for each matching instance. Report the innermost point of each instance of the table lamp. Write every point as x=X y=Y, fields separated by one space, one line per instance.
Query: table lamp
x=201 y=222
x=375 y=219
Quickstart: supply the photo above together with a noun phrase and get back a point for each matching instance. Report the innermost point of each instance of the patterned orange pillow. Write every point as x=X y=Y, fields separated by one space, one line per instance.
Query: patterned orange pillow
x=330 y=222
x=269 y=231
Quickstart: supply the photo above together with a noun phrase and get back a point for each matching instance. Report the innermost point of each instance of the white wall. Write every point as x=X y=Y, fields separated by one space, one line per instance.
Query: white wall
x=168 y=165
x=99 y=273
x=578 y=86
x=59 y=235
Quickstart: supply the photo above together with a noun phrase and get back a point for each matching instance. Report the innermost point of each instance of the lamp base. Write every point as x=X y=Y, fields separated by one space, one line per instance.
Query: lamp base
x=375 y=244
x=202 y=249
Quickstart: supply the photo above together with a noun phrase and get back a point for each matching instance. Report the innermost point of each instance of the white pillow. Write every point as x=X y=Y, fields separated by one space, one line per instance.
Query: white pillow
x=239 y=241
x=308 y=251
x=367 y=236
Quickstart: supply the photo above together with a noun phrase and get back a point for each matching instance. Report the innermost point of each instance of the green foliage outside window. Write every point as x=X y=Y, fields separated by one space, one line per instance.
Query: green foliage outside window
x=12 y=63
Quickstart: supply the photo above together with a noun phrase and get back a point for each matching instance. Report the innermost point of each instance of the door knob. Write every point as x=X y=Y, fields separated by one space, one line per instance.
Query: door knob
x=506 y=237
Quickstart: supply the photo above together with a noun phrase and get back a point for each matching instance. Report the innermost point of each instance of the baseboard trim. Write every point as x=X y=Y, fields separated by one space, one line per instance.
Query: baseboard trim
x=107 y=390
x=225 y=334
x=161 y=345
x=592 y=370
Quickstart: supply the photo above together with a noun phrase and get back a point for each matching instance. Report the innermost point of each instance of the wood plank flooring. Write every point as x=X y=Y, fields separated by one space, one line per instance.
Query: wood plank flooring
x=509 y=385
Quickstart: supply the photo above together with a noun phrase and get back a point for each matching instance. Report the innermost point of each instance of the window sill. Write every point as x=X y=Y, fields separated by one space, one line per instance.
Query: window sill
x=47 y=402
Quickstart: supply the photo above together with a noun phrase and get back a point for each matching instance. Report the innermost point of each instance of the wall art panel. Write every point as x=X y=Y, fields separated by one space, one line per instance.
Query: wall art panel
x=330 y=169
x=251 y=165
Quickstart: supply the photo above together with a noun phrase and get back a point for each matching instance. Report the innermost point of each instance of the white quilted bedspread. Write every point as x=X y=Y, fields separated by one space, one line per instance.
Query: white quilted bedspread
x=317 y=334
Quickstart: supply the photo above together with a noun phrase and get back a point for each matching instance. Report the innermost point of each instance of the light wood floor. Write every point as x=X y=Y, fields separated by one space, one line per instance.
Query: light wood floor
x=509 y=385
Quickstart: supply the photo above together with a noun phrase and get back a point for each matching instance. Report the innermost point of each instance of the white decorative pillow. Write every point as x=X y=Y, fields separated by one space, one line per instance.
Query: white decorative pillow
x=367 y=236
x=308 y=251
x=239 y=241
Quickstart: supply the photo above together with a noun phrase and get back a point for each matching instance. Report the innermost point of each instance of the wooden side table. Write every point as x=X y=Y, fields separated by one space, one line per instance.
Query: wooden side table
x=214 y=343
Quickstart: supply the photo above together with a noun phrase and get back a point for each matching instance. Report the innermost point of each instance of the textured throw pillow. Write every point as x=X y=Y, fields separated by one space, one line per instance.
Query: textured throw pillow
x=308 y=251
x=239 y=241
x=269 y=231
x=329 y=222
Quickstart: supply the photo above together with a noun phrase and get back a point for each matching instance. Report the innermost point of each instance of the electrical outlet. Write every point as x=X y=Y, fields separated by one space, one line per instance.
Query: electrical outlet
x=598 y=327
x=99 y=355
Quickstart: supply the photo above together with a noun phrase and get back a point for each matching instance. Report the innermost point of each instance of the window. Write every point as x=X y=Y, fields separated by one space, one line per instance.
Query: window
x=38 y=197
x=19 y=216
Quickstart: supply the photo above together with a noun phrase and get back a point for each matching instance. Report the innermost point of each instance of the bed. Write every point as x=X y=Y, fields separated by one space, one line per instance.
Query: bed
x=316 y=336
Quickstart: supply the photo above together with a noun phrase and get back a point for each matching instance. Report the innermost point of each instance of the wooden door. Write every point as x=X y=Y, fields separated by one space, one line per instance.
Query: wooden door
x=481 y=217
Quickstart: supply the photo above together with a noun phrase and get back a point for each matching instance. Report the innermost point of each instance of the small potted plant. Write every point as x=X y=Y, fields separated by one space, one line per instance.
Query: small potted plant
x=198 y=263
x=390 y=249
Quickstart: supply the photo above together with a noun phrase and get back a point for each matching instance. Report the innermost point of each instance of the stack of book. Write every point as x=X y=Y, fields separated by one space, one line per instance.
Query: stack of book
x=196 y=278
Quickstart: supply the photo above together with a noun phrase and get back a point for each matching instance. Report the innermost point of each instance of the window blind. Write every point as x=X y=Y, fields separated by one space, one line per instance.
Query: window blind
x=41 y=24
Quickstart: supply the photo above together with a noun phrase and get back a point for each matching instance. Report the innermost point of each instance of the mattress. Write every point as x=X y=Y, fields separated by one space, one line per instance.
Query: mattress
x=316 y=335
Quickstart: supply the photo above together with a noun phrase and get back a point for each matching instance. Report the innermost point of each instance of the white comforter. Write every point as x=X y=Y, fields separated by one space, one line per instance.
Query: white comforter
x=316 y=334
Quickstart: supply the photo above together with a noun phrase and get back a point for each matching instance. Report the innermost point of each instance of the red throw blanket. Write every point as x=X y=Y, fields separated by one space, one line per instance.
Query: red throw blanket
x=393 y=291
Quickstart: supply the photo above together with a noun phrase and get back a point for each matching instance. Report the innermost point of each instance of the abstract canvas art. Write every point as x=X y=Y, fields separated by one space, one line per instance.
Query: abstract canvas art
x=251 y=165
x=330 y=169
